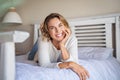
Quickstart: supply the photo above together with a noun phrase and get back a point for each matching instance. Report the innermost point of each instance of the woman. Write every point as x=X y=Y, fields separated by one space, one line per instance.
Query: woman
x=58 y=46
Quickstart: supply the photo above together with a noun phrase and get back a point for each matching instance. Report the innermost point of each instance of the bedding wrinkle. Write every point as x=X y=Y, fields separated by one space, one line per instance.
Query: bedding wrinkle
x=99 y=70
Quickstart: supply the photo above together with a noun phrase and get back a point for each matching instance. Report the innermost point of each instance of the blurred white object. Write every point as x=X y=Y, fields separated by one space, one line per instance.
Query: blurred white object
x=13 y=36
x=12 y=16
x=7 y=52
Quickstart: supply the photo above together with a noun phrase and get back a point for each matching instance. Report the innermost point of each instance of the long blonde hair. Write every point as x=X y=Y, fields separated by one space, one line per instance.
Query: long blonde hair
x=44 y=26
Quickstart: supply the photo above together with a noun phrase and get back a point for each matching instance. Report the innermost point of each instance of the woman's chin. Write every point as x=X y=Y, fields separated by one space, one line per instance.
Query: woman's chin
x=59 y=39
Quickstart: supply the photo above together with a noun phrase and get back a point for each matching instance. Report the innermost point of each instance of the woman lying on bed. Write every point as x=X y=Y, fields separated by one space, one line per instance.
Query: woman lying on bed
x=58 y=46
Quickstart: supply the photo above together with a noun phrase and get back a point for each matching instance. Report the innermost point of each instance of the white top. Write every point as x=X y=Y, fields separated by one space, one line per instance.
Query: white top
x=49 y=56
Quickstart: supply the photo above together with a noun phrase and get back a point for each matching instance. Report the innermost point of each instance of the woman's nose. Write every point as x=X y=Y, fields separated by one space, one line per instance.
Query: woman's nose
x=58 y=30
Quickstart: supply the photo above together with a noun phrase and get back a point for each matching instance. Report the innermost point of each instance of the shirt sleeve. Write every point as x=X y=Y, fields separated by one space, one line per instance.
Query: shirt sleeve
x=72 y=50
x=43 y=55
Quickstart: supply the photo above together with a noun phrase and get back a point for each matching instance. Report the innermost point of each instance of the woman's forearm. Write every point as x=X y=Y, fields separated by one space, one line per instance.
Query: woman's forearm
x=65 y=65
x=64 y=53
x=78 y=69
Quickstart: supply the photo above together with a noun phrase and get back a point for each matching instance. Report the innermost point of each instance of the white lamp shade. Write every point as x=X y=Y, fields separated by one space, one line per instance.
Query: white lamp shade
x=12 y=16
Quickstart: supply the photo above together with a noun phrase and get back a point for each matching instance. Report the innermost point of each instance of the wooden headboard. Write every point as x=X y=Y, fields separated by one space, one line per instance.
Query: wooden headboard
x=98 y=31
x=94 y=32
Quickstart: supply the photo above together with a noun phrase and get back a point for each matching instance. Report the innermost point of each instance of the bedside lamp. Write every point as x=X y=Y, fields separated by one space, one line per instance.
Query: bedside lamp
x=12 y=17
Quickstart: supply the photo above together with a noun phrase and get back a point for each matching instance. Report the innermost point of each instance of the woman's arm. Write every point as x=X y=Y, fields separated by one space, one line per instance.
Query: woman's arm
x=68 y=46
x=78 y=69
x=71 y=50
x=72 y=60
x=64 y=52
x=43 y=55
x=70 y=57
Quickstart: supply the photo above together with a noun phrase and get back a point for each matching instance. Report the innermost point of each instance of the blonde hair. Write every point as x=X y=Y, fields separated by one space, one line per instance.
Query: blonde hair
x=44 y=26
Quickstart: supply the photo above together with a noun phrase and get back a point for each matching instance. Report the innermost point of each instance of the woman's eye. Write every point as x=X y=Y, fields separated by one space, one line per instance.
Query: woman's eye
x=60 y=25
x=51 y=28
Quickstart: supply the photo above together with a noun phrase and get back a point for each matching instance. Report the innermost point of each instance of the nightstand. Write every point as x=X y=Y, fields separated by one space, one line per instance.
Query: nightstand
x=7 y=52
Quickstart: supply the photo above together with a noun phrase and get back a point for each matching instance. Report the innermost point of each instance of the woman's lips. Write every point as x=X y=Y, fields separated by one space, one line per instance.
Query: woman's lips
x=59 y=35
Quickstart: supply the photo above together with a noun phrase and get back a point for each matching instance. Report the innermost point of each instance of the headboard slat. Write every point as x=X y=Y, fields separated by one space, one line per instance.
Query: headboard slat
x=92 y=41
x=90 y=34
x=91 y=38
x=91 y=45
x=90 y=27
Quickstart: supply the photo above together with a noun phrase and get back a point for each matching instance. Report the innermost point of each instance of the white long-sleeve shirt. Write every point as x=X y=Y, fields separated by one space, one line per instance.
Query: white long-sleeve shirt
x=49 y=56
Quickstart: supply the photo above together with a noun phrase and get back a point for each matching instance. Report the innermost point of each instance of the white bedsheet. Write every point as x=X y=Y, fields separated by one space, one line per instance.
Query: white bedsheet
x=98 y=69
x=24 y=59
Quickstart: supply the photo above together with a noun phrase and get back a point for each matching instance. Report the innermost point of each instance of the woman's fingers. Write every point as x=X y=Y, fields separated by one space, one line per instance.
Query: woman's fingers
x=80 y=71
x=67 y=31
x=87 y=73
x=80 y=76
x=67 y=34
x=83 y=74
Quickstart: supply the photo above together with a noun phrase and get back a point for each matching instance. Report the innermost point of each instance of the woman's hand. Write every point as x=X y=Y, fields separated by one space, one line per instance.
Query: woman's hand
x=81 y=71
x=67 y=35
x=64 y=53
x=78 y=69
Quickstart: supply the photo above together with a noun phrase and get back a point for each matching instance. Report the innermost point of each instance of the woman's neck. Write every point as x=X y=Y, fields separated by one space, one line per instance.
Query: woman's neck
x=56 y=44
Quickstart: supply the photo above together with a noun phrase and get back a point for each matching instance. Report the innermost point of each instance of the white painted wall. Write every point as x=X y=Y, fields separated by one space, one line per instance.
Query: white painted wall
x=36 y=10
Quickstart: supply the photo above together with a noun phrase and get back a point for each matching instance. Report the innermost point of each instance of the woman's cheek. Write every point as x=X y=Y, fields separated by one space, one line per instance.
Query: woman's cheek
x=63 y=31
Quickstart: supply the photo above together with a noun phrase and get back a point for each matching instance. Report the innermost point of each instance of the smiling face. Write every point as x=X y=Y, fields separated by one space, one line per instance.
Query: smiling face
x=56 y=29
x=53 y=27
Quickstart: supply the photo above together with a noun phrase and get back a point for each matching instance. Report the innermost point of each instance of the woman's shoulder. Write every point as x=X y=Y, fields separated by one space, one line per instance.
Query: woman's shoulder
x=72 y=37
x=71 y=40
x=43 y=42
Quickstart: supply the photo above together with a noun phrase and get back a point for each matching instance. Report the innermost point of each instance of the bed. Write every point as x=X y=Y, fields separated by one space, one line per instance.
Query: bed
x=98 y=51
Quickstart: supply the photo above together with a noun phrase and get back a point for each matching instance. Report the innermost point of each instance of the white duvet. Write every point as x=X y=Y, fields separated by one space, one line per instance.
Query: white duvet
x=108 y=69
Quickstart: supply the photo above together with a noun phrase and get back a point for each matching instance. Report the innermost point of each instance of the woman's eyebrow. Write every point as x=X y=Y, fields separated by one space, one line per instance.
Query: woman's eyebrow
x=61 y=23
x=50 y=26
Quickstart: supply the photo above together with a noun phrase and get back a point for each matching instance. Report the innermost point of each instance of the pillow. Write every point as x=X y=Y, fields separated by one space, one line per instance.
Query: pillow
x=33 y=51
x=94 y=53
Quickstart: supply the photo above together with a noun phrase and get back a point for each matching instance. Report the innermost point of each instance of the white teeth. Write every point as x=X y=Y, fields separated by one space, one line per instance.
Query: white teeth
x=59 y=35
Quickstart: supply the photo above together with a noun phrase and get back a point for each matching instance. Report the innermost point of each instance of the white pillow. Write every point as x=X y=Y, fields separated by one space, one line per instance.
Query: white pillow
x=94 y=53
